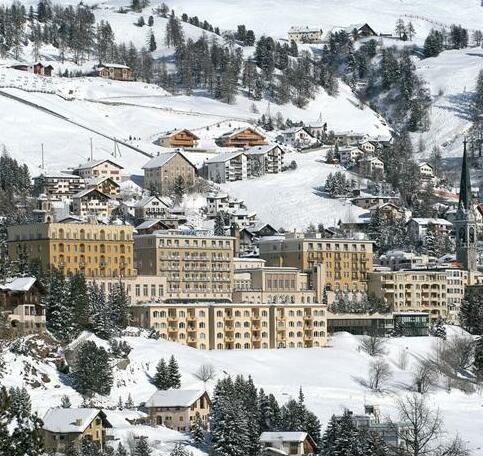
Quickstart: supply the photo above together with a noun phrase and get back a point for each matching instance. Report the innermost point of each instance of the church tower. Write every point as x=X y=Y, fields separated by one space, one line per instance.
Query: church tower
x=465 y=223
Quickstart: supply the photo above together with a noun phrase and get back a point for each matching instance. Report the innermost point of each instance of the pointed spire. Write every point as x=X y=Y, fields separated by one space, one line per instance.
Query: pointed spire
x=465 y=184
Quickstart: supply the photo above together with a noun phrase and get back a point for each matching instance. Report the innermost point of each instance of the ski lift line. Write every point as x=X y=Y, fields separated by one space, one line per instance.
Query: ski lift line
x=66 y=119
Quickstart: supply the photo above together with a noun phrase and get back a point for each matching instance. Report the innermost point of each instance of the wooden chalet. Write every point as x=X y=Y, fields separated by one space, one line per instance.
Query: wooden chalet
x=241 y=137
x=115 y=71
x=36 y=68
x=179 y=138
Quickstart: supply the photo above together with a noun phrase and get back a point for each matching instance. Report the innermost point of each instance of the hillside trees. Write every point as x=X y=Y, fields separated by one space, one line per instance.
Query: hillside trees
x=434 y=43
x=167 y=375
x=91 y=370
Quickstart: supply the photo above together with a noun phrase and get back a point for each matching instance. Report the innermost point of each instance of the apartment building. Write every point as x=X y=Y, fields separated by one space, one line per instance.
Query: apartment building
x=161 y=172
x=196 y=265
x=412 y=291
x=227 y=167
x=346 y=261
x=93 y=249
x=62 y=185
x=265 y=159
x=91 y=202
x=305 y=34
x=99 y=168
x=225 y=326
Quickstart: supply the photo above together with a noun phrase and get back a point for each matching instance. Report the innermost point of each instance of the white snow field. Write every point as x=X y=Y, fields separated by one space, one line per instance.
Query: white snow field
x=330 y=378
x=293 y=199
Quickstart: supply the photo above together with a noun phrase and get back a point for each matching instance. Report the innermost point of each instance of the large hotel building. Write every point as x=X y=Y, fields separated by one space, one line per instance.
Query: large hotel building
x=346 y=262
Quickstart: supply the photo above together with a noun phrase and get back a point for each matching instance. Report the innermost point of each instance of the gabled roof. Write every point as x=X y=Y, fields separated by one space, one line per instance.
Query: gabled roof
x=148 y=199
x=241 y=130
x=262 y=150
x=268 y=437
x=149 y=223
x=113 y=65
x=57 y=175
x=222 y=158
x=70 y=420
x=86 y=191
x=175 y=132
x=162 y=159
x=93 y=163
x=430 y=221
x=18 y=284
x=95 y=181
x=174 y=398
x=425 y=164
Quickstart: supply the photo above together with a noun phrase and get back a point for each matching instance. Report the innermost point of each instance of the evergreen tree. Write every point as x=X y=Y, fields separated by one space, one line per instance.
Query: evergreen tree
x=197 y=432
x=129 y=405
x=79 y=303
x=121 y=450
x=100 y=313
x=161 y=379
x=434 y=44
x=438 y=329
x=59 y=315
x=471 y=311
x=118 y=305
x=179 y=450
x=219 y=224
x=174 y=377
x=142 y=447
x=151 y=42
x=91 y=370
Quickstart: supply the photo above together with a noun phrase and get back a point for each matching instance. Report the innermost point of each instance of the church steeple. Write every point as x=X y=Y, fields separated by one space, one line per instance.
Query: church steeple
x=465 y=184
x=465 y=223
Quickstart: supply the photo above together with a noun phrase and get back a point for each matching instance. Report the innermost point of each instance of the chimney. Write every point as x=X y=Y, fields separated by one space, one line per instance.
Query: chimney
x=235 y=232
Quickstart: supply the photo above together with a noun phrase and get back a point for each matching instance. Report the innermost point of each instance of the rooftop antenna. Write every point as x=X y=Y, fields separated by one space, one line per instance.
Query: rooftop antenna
x=92 y=150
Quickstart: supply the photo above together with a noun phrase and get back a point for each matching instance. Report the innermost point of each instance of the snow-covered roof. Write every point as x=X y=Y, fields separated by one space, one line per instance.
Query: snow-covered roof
x=268 y=437
x=86 y=191
x=163 y=158
x=174 y=132
x=18 y=284
x=148 y=199
x=93 y=163
x=431 y=221
x=222 y=158
x=69 y=420
x=148 y=224
x=261 y=150
x=304 y=29
x=174 y=398
x=57 y=175
x=113 y=65
x=240 y=130
x=217 y=195
x=95 y=181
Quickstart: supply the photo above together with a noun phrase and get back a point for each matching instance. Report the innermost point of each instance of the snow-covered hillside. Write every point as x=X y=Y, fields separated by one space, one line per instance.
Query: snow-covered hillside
x=330 y=378
x=293 y=199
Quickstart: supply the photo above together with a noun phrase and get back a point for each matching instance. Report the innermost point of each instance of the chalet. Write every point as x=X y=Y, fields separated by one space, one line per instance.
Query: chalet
x=227 y=167
x=115 y=71
x=67 y=427
x=347 y=137
x=361 y=31
x=296 y=137
x=426 y=171
x=305 y=34
x=62 y=185
x=350 y=155
x=222 y=202
x=176 y=409
x=418 y=227
x=287 y=443
x=371 y=166
x=161 y=172
x=368 y=201
x=265 y=160
x=105 y=185
x=242 y=218
x=35 y=68
x=250 y=235
x=367 y=146
x=241 y=137
x=150 y=226
x=389 y=211
x=99 y=168
x=21 y=303
x=151 y=207
x=91 y=202
x=179 y=138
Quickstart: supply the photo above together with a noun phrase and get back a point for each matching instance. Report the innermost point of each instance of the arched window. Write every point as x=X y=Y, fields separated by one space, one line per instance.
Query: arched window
x=237 y=335
x=219 y=336
x=219 y=324
x=291 y=345
x=202 y=314
x=246 y=346
x=237 y=324
x=219 y=346
x=155 y=314
x=219 y=313
x=264 y=313
x=246 y=335
x=300 y=345
x=299 y=334
x=264 y=334
x=182 y=325
x=238 y=346
x=202 y=346
x=202 y=325
x=246 y=313
x=237 y=313
x=162 y=314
